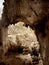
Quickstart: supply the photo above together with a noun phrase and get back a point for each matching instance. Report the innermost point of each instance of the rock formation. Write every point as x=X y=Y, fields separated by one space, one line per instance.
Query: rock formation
x=24 y=10
x=34 y=13
x=22 y=43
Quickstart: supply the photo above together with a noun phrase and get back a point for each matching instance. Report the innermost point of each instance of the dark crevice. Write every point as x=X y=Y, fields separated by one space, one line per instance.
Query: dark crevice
x=41 y=26
x=2 y=63
x=15 y=50
x=35 y=53
x=20 y=50
x=34 y=11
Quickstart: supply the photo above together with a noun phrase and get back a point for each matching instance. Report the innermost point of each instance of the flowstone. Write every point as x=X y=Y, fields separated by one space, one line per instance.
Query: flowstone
x=20 y=42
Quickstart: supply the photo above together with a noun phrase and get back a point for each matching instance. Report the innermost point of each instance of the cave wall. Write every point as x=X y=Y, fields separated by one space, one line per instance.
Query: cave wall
x=42 y=32
x=24 y=10
x=34 y=13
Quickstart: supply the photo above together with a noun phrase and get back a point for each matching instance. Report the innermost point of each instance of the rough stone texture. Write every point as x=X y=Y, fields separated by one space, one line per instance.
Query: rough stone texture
x=42 y=30
x=24 y=10
x=0 y=33
x=20 y=45
x=34 y=11
x=0 y=37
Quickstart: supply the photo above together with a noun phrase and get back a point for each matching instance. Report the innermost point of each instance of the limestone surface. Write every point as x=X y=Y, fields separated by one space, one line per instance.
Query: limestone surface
x=20 y=42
